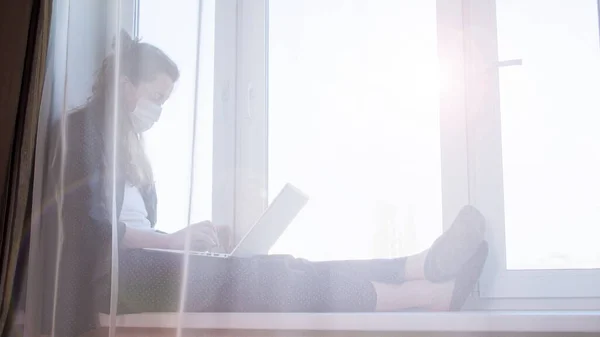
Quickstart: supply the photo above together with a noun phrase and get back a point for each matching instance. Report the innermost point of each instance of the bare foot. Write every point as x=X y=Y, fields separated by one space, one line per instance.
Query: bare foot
x=441 y=296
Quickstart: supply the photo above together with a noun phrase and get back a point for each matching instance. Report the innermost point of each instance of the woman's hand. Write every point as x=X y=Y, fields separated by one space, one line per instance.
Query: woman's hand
x=203 y=237
x=225 y=239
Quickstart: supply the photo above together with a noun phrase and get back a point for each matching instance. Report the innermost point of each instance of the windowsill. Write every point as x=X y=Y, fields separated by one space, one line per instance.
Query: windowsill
x=490 y=321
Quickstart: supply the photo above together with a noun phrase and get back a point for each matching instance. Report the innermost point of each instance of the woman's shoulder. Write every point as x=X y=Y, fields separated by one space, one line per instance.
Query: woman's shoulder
x=80 y=133
x=80 y=118
x=75 y=138
x=84 y=122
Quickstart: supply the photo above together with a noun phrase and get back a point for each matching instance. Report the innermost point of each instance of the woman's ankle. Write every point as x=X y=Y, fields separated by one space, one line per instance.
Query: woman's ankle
x=414 y=267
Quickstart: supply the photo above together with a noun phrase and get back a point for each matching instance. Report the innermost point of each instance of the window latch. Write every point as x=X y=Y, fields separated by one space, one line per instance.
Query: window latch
x=249 y=100
x=510 y=63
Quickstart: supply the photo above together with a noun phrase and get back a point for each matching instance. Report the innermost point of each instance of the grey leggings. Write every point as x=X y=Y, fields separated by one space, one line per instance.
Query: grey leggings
x=150 y=281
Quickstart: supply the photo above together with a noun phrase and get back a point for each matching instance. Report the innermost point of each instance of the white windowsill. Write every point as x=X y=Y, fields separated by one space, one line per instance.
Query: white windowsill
x=497 y=321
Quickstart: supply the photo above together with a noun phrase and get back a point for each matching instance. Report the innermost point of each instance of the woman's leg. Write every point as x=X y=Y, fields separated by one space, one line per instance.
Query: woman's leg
x=435 y=296
x=393 y=271
x=414 y=268
x=439 y=263
x=390 y=271
x=455 y=246
x=420 y=294
x=151 y=282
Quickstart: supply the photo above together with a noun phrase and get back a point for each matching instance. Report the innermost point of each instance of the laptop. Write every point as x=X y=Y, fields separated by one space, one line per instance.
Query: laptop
x=267 y=230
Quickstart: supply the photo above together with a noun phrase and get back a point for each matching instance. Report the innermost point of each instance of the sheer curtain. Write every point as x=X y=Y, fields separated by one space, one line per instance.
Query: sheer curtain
x=169 y=142
x=72 y=286
x=86 y=171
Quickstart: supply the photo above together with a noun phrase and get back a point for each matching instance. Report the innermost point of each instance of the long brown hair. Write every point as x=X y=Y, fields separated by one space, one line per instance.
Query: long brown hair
x=138 y=61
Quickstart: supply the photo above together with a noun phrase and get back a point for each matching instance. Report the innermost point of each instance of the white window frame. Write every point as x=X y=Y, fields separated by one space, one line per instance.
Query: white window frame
x=252 y=112
x=239 y=116
x=248 y=163
x=486 y=176
x=468 y=131
x=224 y=118
x=227 y=167
x=469 y=126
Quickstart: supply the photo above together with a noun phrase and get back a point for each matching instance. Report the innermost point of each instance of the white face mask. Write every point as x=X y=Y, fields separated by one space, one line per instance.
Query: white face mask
x=145 y=115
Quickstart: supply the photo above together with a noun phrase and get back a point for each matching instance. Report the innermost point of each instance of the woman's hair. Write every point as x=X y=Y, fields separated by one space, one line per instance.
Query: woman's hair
x=138 y=62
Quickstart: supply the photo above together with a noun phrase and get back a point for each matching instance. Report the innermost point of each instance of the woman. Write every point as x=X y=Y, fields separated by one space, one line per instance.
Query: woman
x=437 y=279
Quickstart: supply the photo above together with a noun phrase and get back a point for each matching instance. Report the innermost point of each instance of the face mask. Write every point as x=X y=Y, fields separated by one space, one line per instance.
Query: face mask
x=145 y=115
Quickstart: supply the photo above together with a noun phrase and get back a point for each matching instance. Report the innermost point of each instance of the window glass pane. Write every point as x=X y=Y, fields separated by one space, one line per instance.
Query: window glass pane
x=354 y=122
x=169 y=142
x=550 y=139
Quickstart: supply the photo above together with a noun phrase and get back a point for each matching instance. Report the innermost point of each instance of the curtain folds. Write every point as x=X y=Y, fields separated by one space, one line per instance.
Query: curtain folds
x=24 y=36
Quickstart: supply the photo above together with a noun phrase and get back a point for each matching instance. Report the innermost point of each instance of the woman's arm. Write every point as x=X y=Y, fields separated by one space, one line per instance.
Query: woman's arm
x=143 y=238
x=203 y=236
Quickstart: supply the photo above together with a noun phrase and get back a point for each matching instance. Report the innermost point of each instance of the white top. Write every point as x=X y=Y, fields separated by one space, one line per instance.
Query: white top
x=133 y=212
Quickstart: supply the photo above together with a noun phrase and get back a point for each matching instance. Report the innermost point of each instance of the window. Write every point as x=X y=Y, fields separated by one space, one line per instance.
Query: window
x=353 y=120
x=327 y=99
x=535 y=147
x=478 y=78
x=549 y=108
x=391 y=115
x=170 y=143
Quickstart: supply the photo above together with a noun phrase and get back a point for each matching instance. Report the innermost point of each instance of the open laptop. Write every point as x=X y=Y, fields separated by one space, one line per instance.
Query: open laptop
x=269 y=227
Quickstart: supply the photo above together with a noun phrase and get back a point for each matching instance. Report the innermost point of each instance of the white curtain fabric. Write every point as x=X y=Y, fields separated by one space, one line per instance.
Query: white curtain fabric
x=401 y=200
x=83 y=34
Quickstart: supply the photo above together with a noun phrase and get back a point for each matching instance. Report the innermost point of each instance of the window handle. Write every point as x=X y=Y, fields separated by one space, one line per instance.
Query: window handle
x=510 y=63
x=249 y=100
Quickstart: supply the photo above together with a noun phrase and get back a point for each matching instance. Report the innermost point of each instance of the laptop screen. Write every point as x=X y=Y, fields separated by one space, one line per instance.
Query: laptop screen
x=273 y=222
